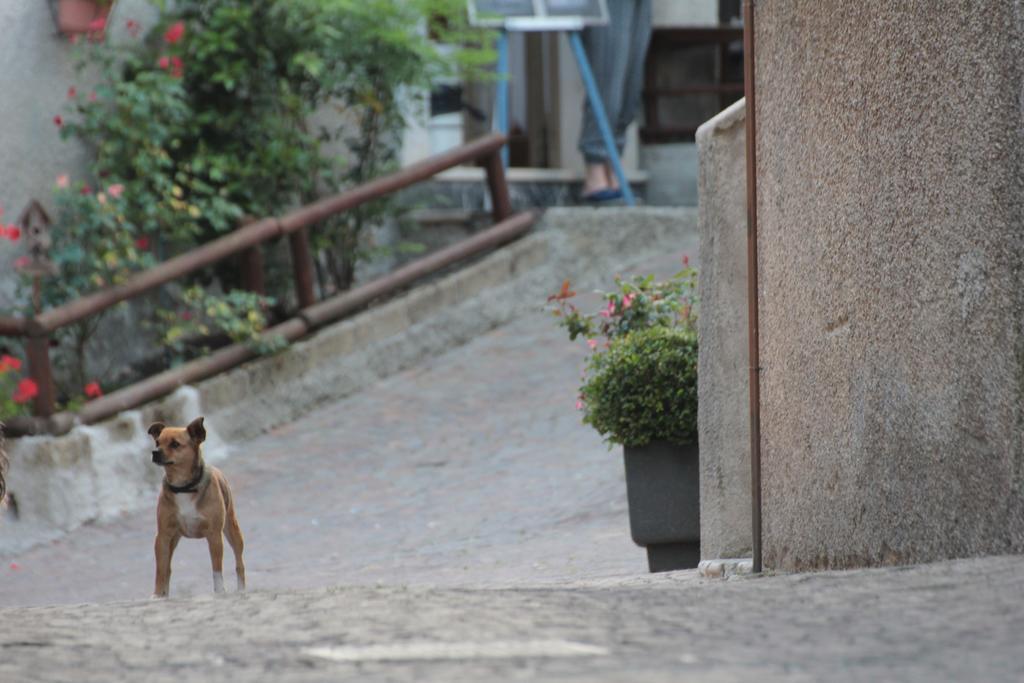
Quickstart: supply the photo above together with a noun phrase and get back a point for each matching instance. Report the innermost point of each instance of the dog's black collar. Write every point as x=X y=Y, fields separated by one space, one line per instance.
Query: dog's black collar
x=192 y=486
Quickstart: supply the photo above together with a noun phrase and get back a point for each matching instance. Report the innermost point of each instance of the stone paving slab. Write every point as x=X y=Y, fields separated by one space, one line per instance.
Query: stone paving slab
x=953 y=621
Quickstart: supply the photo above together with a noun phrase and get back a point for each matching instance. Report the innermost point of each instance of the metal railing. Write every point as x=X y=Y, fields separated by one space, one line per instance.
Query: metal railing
x=246 y=241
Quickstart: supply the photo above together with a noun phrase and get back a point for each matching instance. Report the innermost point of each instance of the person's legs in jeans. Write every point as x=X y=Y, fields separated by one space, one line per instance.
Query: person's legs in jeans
x=633 y=84
x=608 y=50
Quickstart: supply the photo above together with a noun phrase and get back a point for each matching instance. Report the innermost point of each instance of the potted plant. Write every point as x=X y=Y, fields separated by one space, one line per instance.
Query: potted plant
x=75 y=17
x=640 y=391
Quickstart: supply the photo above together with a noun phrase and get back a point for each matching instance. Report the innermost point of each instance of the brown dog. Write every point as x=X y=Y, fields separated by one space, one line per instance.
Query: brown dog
x=194 y=502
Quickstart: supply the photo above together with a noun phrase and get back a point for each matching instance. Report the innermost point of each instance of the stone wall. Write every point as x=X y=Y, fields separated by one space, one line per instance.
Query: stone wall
x=891 y=212
x=723 y=383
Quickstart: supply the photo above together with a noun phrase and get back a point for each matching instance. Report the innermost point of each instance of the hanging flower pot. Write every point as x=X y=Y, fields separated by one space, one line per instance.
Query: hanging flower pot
x=75 y=17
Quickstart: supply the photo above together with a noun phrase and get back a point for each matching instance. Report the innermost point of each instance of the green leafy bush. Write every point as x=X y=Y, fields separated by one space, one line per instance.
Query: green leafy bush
x=223 y=109
x=644 y=388
x=640 y=383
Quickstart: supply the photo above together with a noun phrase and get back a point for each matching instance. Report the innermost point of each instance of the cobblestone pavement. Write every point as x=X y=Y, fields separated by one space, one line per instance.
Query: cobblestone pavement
x=474 y=530
x=957 y=621
x=472 y=469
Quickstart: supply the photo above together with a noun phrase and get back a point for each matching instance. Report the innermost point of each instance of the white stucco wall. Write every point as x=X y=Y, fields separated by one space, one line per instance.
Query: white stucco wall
x=38 y=68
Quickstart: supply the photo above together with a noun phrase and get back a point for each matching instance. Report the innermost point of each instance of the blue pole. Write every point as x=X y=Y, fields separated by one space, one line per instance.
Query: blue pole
x=500 y=118
x=594 y=95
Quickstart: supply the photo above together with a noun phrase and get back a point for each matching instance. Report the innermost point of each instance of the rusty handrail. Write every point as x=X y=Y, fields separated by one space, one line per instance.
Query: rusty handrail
x=305 y=321
x=244 y=241
x=12 y=327
x=261 y=231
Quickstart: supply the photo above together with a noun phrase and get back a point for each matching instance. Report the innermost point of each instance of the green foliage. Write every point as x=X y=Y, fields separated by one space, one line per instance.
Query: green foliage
x=239 y=315
x=644 y=388
x=230 y=108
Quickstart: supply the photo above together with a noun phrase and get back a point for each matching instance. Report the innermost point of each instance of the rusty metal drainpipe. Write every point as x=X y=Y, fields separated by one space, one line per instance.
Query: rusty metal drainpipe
x=754 y=349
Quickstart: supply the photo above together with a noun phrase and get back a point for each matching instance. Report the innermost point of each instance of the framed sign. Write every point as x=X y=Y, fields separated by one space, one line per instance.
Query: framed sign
x=538 y=15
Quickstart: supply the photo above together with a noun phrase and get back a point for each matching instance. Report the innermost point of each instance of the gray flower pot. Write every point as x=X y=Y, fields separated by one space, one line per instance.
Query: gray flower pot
x=663 y=489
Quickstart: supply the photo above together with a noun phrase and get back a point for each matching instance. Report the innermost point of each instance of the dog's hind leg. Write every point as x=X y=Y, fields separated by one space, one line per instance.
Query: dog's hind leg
x=235 y=540
x=216 y=543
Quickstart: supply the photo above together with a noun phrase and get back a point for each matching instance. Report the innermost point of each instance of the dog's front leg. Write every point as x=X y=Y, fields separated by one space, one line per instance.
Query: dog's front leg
x=216 y=541
x=163 y=547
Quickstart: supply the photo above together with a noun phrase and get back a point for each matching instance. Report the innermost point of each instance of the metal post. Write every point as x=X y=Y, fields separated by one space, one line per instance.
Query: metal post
x=37 y=348
x=594 y=95
x=252 y=270
x=501 y=204
x=500 y=117
x=302 y=263
x=752 y=275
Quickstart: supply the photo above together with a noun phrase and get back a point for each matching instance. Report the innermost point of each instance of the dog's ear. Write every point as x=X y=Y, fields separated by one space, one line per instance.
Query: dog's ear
x=155 y=429
x=197 y=431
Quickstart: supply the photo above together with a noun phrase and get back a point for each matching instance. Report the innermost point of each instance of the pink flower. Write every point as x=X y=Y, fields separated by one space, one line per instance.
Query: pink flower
x=115 y=190
x=9 y=363
x=58 y=121
x=177 y=67
x=686 y=260
x=627 y=301
x=133 y=28
x=21 y=262
x=63 y=181
x=92 y=97
x=592 y=343
x=97 y=25
x=13 y=232
x=101 y=198
x=92 y=390
x=164 y=62
x=72 y=93
x=175 y=32
x=579 y=404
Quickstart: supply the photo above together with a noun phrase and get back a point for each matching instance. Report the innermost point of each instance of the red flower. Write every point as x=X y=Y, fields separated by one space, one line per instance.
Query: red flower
x=175 y=32
x=86 y=189
x=142 y=243
x=21 y=262
x=186 y=315
x=9 y=363
x=72 y=93
x=58 y=121
x=97 y=25
x=177 y=67
x=13 y=233
x=686 y=260
x=133 y=28
x=26 y=391
x=92 y=390
x=164 y=62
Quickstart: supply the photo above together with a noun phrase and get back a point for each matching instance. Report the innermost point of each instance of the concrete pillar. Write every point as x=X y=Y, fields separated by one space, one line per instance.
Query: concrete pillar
x=723 y=388
x=891 y=217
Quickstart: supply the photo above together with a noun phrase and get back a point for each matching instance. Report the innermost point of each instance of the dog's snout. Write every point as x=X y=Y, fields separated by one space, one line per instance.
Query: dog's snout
x=158 y=457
